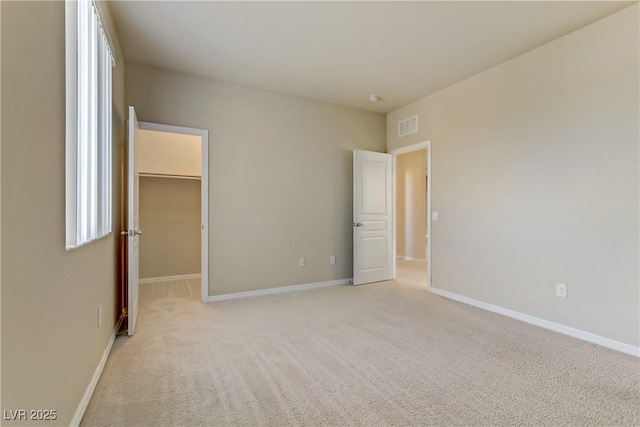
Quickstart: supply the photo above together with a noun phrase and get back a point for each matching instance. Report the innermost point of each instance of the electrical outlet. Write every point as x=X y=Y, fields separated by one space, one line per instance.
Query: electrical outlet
x=99 y=316
x=434 y=216
x=561 y=290
x=301 y=262
x=332 y=259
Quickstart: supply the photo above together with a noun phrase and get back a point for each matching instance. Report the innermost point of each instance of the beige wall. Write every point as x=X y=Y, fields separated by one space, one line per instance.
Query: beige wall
x=280 y=181
x=167 y=153
x=535 y=177
x=411 y=205
x=51 y=343
x=170 y=219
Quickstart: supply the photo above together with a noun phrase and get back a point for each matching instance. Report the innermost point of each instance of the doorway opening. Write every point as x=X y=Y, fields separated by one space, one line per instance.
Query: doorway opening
x=173 y=189
x=412 y=214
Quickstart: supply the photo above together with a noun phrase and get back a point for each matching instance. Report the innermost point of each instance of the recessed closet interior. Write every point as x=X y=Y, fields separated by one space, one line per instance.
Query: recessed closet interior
x=170 y=179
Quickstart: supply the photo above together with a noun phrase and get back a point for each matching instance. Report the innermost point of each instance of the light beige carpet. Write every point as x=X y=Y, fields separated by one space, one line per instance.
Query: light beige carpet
x=380 y=354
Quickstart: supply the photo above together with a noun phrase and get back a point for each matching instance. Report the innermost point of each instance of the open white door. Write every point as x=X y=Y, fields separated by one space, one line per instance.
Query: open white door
x=133 y=222
x=372 y=217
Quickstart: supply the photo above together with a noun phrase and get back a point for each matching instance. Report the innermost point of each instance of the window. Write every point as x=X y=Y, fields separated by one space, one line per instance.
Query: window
x=89 y=60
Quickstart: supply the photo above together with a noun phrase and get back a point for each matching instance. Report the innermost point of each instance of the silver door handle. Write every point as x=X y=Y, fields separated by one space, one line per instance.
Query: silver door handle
x=131 y=233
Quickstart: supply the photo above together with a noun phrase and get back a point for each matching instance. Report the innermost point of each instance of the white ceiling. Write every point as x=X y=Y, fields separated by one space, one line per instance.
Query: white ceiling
x=343 y=51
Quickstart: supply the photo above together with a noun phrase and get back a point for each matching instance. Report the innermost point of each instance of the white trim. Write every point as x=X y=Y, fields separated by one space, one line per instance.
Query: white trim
x=204 y=215
x=546 y=324
x=410 y=148
x=204 y=196
x=278 y=290
x=170 y=278
x=86 y=397
x=404 y=150
x=411 y=259
x=394 y=185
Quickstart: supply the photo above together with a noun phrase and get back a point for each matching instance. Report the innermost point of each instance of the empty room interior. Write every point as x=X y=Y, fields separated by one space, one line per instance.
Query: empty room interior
x=320 y=213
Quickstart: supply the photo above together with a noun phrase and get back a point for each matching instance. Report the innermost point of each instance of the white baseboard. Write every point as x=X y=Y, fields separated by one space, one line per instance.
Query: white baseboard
x=84 y=402
x=411 y=259
x=278 y=290
x=556 y=327
x=169 y=278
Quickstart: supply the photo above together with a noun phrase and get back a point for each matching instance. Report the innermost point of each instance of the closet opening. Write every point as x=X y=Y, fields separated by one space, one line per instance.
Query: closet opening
x=173 y=188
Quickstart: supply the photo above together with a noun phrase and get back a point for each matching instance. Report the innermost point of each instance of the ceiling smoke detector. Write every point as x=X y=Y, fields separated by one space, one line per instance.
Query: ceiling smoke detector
x=373 y=97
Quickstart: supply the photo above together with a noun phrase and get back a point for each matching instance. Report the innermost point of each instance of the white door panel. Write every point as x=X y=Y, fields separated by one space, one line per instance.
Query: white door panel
x=133 y=222
x=374 y=253
x=372 y=217
x=373 y=225
x=374 y=177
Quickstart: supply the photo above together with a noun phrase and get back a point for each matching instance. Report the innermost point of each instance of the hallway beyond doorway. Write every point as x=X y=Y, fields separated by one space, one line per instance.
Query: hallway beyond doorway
x=413 y=273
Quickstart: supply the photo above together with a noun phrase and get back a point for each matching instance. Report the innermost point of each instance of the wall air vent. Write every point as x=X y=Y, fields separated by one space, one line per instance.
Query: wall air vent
x=407 y=126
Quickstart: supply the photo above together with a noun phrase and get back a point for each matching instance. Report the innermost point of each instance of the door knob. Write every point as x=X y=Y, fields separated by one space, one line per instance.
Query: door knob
x=131 y=233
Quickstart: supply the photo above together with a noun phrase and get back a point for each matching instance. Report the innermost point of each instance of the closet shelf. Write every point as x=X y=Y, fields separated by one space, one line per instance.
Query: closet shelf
x=159 y=175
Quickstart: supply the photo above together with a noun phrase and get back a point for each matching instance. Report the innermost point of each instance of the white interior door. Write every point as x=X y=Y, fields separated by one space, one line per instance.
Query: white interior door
x=133 y=222
x=372 y=217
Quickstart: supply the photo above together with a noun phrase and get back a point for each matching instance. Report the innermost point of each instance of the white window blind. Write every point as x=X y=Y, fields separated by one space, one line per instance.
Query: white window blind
x=88 y=140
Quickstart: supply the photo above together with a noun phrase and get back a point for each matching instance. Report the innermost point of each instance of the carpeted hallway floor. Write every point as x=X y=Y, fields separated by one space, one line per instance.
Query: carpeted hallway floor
x=380 y=354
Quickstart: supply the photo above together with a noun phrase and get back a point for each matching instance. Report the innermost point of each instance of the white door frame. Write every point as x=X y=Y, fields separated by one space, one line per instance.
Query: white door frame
x=204 y=196
x=415 y=147
x=133 y=221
